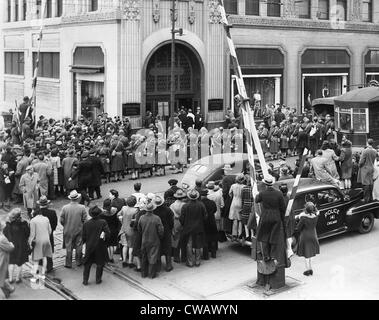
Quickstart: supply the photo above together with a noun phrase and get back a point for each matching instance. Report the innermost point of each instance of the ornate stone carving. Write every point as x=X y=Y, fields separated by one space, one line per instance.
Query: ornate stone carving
x=156 y=11
x=131 y=9
x=214 y=13
x=191 y=10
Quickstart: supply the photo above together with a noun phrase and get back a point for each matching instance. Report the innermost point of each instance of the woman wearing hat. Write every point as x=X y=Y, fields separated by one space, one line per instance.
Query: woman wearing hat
x=346 y=159
x=308 y=242
x=29 y=185
x=141 y=210
x=95 y=234
x=17 y=231
x=176 y=208
x=127 y=234
x=6 y=247
x=235 y=208
x=39 y=240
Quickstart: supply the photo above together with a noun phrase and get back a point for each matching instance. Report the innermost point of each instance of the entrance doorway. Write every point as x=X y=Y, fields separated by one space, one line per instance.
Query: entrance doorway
x=188 y=78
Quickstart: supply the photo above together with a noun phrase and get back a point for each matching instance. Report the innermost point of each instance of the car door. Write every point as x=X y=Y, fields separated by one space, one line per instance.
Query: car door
x=330 y=203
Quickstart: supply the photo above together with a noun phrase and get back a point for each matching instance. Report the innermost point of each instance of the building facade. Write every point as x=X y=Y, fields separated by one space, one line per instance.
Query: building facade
x=114 y=55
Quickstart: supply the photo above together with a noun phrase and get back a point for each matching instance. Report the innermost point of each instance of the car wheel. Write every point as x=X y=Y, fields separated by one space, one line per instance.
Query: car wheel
x=367 y=223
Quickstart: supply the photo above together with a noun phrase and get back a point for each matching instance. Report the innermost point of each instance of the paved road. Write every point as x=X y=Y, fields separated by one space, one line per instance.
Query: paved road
x=345 y=269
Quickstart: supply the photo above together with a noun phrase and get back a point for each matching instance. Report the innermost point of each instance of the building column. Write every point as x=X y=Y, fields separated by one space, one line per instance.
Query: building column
x=13 y=10
x=79 y=98
x=20 y=10
x=5 y=11
x=277 y=90
x=241 y=8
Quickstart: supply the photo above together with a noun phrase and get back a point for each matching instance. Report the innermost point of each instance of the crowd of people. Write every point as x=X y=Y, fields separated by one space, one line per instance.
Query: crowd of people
x=73 y=158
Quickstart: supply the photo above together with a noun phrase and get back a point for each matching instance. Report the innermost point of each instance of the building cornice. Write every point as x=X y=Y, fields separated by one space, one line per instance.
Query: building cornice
x=303 y=24
x=92 y=17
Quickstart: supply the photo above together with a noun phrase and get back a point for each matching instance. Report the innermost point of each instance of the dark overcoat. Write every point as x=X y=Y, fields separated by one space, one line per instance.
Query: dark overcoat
x=227 y=182
x=97 y=171
x=92 y=230
x=84 y=173
x=366 y=166
x=167 y=218
x=18 y=233
x=210 y=226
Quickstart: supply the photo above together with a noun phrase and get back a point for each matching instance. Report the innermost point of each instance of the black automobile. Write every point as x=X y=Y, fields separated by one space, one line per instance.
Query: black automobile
x=340 y=212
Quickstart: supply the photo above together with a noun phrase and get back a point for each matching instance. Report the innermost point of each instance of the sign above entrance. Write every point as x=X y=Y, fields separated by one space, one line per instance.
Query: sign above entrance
x=131 y=109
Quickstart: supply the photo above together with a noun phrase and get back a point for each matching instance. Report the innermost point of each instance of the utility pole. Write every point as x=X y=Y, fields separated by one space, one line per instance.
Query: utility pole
x=173 y=54
x=172 y=92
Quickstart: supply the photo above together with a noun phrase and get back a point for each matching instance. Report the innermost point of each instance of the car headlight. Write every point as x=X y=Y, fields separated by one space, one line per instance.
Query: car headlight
x=349 y=212
x=185 y=185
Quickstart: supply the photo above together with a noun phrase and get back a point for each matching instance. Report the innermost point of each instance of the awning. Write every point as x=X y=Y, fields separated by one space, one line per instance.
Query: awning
x=328 y=100
x=360 y=98
x=87 y=69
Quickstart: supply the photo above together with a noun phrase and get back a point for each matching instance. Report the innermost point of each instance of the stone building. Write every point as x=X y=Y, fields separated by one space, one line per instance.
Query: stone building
x=114 y=55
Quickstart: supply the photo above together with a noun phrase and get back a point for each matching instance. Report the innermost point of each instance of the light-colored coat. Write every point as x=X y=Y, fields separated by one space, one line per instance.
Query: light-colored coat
x=366 y=166
x=40 y=231
x=20 y=170
x=321 y=170
x=5 y=248
x=72 y=219
x=44 y=169
x=29 y=188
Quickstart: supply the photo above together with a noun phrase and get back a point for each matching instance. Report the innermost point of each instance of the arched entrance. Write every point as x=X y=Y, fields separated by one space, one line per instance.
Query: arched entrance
x=188 y=80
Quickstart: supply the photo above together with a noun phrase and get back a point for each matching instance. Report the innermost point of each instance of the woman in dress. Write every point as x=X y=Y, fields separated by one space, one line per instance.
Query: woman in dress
x=56 y=165
x=235 y=208
x=39 y=240
x=6 y=247
x=110 y=216
x=284 y=138
x=17 y=231
x=104 y=154
x=117 y=162
x=274 y=139
x=127 y=234
x=346 y=159
x=308 y=243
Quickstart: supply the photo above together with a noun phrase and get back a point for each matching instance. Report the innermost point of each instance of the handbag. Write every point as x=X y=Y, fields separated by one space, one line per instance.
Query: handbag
x=266 y=267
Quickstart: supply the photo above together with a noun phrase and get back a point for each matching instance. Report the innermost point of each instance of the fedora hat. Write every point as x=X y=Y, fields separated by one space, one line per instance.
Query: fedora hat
x=211 y=185
x=193 y=194
x=43 y=201
x=173 y=182
x=158 y=201
x=95 y=211
x=150 y=207
x=269 y=181
x=180 y=194
x=227 y=167
x=74 y=195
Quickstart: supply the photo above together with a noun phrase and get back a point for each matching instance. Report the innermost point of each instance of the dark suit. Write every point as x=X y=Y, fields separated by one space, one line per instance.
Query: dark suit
x=53 y=219
x=210 y=227
x=169 y=195
x=97 y=172
x=96 y=250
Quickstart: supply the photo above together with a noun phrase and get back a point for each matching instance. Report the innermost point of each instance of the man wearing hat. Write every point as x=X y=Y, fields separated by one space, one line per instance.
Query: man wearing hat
x=210 y=227
x=270 y=234
x=97 y=173
x=192 y=219
x=167 y=218
x=43 y=204
x=95 y=234
x=44 y=169
x=84 y=173
x=73 y=216
x=151 y=228
x=169 y=194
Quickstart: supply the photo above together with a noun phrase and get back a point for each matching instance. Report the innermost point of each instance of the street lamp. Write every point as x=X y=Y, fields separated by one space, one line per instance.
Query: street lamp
x=173 y=33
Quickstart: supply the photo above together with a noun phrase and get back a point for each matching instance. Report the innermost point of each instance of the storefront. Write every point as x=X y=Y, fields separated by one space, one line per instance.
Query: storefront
x=88 y=82
x=357 y=115
x=262 y=71
x=325 y=73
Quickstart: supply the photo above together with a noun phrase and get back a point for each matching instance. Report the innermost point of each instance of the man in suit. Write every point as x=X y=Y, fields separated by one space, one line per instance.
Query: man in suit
x=43 y=204
x=320 y=170
x=169 y=194
x=97 y=173
x=366 y=169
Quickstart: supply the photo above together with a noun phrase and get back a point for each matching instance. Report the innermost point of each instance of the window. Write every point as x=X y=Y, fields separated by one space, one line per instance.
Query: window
x=48 y=65
x=9 y=11
x=304 y=8
x=372 y=57
x=352 y=119
x=341 y=10
x=39 y=8
x=59 y=8
x=49 y=9
x=25 y=8
x=16 y=12
x=14 y=63
x=93 y=5
x=323 y=10
x=326 y=197
x=231 y=6
x=249 y=57
x=325 y=57
x=273 y=8
x=367 y=11
x=252 y=7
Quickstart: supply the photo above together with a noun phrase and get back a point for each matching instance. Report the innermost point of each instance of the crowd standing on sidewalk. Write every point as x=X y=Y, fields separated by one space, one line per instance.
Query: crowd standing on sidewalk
x=73 y=158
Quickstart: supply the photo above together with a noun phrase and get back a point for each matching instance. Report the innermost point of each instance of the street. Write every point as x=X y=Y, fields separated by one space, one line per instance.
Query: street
x=345 y=269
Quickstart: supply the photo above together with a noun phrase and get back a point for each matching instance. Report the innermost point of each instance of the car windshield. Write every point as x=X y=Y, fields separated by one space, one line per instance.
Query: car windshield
x=200 y=168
